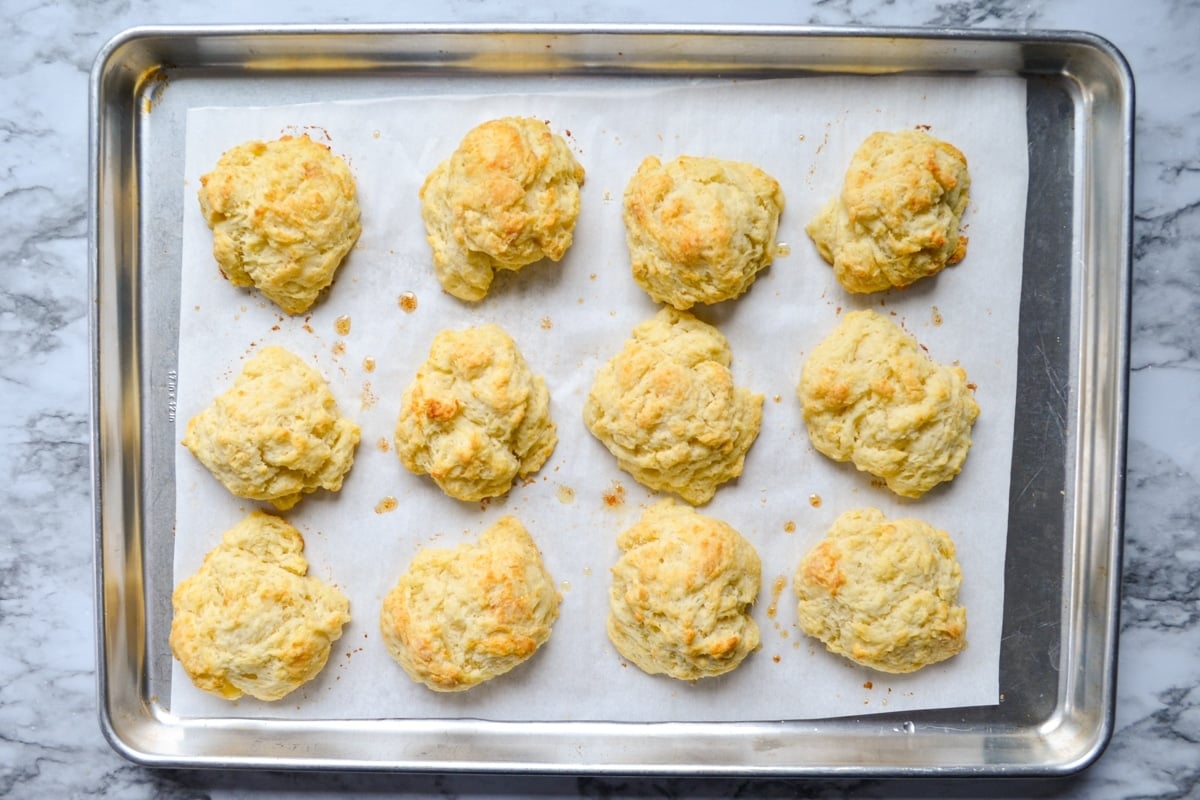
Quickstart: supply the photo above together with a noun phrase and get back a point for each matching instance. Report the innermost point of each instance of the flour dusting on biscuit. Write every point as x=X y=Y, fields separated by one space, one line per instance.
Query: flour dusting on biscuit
x=681 y=594
x=475 y=418
x=464 y=615
x=507 y=197
x=284 y=214
x=883 y=593
x=251 y=620
x=870 y=396
x=276 y=434
x=700 y=229
x=666 y=406
x=898 y=217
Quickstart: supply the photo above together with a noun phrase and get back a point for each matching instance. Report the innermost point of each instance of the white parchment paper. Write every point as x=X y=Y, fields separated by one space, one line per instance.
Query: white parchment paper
x=568 y=318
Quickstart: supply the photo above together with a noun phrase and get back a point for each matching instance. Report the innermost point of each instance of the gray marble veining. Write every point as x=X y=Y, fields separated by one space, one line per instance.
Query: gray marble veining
x=50 y=742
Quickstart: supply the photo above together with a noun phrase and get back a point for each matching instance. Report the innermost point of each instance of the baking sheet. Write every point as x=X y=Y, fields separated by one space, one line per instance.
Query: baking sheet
x=569 y=318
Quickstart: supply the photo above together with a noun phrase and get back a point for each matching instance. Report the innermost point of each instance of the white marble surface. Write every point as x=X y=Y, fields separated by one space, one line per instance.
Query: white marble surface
x=50 y=741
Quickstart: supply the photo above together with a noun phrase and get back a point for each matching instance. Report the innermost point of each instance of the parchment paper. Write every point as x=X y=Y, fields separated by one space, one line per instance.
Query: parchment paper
x=570 y=317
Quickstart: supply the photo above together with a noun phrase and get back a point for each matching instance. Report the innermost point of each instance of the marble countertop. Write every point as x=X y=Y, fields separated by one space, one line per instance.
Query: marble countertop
x=50 y=740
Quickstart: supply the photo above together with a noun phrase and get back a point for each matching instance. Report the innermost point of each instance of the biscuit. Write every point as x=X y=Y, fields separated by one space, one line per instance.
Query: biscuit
x=871 y=397
x=475 y=418
x=251 y=620
x=681 y=594
x=507 y=197
x=284 y=214
x=897 y=219
x=882 y=592
x=667 y=408
x=699 y=230
x=464 y=615
x=276 y=434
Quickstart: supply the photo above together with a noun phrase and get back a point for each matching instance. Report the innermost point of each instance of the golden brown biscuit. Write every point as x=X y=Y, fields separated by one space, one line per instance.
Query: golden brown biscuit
x=667 y=408
x=870 y=396
x=700 y=230
x=464 y=615
x=475 y=418
x=251 y=621
x=897 y=219
x=883 y=593
x=681 y=593
x=507 y=197
x=283 y=215
x=276 y=434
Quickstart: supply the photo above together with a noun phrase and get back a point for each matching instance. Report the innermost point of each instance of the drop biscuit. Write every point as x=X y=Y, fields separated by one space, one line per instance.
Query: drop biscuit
x=475 y=418
x=870 y=396
x=700 y=230
x=681 y=593
x=251 y=620
x=507 y=197
x=667 y=408
x=276 y=434
x=464 y=615
x=898 y=217
x=883 y=593
x=284 y=214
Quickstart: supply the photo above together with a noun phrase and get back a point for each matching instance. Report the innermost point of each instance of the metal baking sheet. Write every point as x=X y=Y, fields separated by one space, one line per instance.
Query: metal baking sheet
x=1062 y=570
